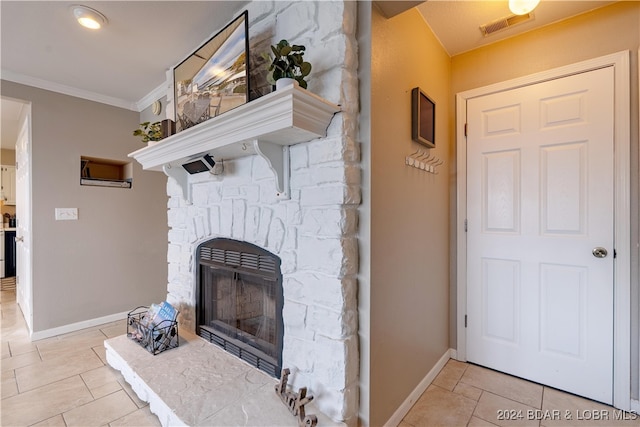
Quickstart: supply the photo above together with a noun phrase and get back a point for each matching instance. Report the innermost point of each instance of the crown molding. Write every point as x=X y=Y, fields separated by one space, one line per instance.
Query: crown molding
x=152 y=96
x=68 y=90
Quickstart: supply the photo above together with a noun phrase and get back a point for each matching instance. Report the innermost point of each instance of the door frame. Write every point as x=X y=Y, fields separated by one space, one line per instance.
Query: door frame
x=622 y=208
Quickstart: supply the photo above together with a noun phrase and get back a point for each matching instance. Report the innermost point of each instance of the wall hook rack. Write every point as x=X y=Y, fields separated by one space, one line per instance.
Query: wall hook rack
x=424 y=161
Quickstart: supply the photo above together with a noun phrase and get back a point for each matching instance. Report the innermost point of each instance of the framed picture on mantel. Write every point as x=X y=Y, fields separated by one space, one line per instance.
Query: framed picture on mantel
x=214 y=78
x=423 y=118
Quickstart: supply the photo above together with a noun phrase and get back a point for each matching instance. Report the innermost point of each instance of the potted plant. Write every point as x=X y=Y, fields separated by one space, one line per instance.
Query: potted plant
x=149 y=131
x=288 y=63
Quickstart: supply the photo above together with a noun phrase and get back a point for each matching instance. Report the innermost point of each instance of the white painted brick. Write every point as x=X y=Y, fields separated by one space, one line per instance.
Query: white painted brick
x=297 y=354
x=337 y=363
x=268 y=192
x=275 y=238
x=294 y=316
x=328 y=16
x=252 y=223
x=328 y=150
x=266 y=216
x=226 y=218
x=289 y=22
x=177 y=235
x=289 y=261
x=331 y=195
x=173 y=253
x=261 y=169
x=331 y=323
x=214 y=219
x=334 y=256
x=299 y=157
x=238 y=222
x=200 y=194
x=329 y=222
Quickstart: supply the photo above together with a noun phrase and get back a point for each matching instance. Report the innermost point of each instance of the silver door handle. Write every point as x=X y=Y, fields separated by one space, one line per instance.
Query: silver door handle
x=599 y=252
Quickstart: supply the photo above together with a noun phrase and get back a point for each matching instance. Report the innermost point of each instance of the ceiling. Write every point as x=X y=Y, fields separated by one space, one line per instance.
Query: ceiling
x=462 y=34
x=125 y=63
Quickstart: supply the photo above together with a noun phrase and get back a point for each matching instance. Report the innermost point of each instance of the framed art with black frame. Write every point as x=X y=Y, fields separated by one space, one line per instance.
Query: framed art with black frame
x=214 y=78
x=423 y=118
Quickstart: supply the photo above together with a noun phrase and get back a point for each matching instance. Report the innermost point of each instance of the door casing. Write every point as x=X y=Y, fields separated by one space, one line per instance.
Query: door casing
x=622 y=208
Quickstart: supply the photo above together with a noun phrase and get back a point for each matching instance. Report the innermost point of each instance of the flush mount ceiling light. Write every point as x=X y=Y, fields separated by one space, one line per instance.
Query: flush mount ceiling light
x=522 y=7
x=87 y=17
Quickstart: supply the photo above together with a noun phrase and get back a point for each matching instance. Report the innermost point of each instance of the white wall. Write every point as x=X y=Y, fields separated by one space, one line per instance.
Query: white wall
x=113 y=258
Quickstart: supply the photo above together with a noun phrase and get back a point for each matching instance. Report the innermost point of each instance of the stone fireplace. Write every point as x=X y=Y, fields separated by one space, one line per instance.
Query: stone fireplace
x=302 y=211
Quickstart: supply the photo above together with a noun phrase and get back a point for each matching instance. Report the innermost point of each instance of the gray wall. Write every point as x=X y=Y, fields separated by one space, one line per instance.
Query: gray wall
x=113 y=258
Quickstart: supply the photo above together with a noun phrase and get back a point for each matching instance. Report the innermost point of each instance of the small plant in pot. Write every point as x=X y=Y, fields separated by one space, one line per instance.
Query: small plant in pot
x=149 y=131
x=288 y=62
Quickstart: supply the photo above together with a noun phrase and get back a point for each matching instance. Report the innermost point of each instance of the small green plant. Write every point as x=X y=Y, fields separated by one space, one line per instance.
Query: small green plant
x=288 y=62
x=149 y=131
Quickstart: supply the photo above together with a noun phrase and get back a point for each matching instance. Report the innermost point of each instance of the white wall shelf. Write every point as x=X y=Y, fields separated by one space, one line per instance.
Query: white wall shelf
x=266 y=126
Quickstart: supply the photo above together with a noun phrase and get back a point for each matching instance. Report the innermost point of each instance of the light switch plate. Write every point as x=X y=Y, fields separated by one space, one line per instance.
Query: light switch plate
x=66 y=214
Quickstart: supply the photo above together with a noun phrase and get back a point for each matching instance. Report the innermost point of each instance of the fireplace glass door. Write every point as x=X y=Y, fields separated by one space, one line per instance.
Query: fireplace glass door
x=240 y=301
x=242 y=306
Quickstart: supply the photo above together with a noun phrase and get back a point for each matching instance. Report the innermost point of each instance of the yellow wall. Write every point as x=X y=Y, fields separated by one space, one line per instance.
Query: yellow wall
x=409 y=285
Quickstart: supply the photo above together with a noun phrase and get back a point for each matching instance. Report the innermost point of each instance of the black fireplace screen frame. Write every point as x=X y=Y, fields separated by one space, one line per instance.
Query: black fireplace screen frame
x=240 y=259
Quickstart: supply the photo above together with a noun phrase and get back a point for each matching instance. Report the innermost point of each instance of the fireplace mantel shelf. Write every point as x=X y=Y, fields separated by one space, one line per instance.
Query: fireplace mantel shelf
x=266 y=126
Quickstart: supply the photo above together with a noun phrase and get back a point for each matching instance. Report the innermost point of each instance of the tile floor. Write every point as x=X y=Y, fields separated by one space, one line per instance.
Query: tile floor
x=65 y=381
x=468 y=395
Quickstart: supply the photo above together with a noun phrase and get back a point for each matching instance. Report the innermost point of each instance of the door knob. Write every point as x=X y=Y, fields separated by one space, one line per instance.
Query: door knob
x=599 y=252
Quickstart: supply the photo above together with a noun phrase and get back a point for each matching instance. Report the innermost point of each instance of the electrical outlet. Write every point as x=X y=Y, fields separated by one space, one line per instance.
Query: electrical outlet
x=66 y=214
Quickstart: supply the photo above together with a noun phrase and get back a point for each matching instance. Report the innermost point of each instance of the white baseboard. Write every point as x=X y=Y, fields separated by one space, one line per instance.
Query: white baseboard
x=406 y=406
x=72 y=327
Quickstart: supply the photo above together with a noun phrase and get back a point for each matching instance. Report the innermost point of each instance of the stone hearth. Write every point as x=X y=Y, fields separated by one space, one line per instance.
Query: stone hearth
x=198 y=384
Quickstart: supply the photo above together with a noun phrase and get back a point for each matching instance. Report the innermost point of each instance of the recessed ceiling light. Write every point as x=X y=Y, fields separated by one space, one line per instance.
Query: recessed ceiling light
x=522 y=7
x=87 y=17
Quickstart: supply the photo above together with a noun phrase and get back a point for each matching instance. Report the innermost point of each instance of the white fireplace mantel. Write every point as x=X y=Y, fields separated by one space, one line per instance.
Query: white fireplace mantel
x=266 y=126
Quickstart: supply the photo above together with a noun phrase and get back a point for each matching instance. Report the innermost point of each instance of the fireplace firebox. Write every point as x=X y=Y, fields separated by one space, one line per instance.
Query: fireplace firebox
x=239 y=301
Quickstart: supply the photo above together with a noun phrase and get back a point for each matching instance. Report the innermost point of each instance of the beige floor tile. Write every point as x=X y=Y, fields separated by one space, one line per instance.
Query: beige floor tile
x=504 y=385
x=101 y=352
x=5 y=349
x=101 y=411
x=120 y=328
x=100 y=377
x=450 y=375
x=22 y=346
x=468 y=391
x=504 y=412
x=564 y=409
x=21 y=360
x=72 y=343
x=56 y=421
x=140 y=418
x=440 y=407
x=44 y=402
x=9 y=387
x=47 y=372
x=479 y=422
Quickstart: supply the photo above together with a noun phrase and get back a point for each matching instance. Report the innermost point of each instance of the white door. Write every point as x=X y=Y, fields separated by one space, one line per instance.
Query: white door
x=540 y=219
x=23 y=214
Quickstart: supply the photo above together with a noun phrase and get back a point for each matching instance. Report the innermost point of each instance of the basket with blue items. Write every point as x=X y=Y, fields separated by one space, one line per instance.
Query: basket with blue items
x=155 y=327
